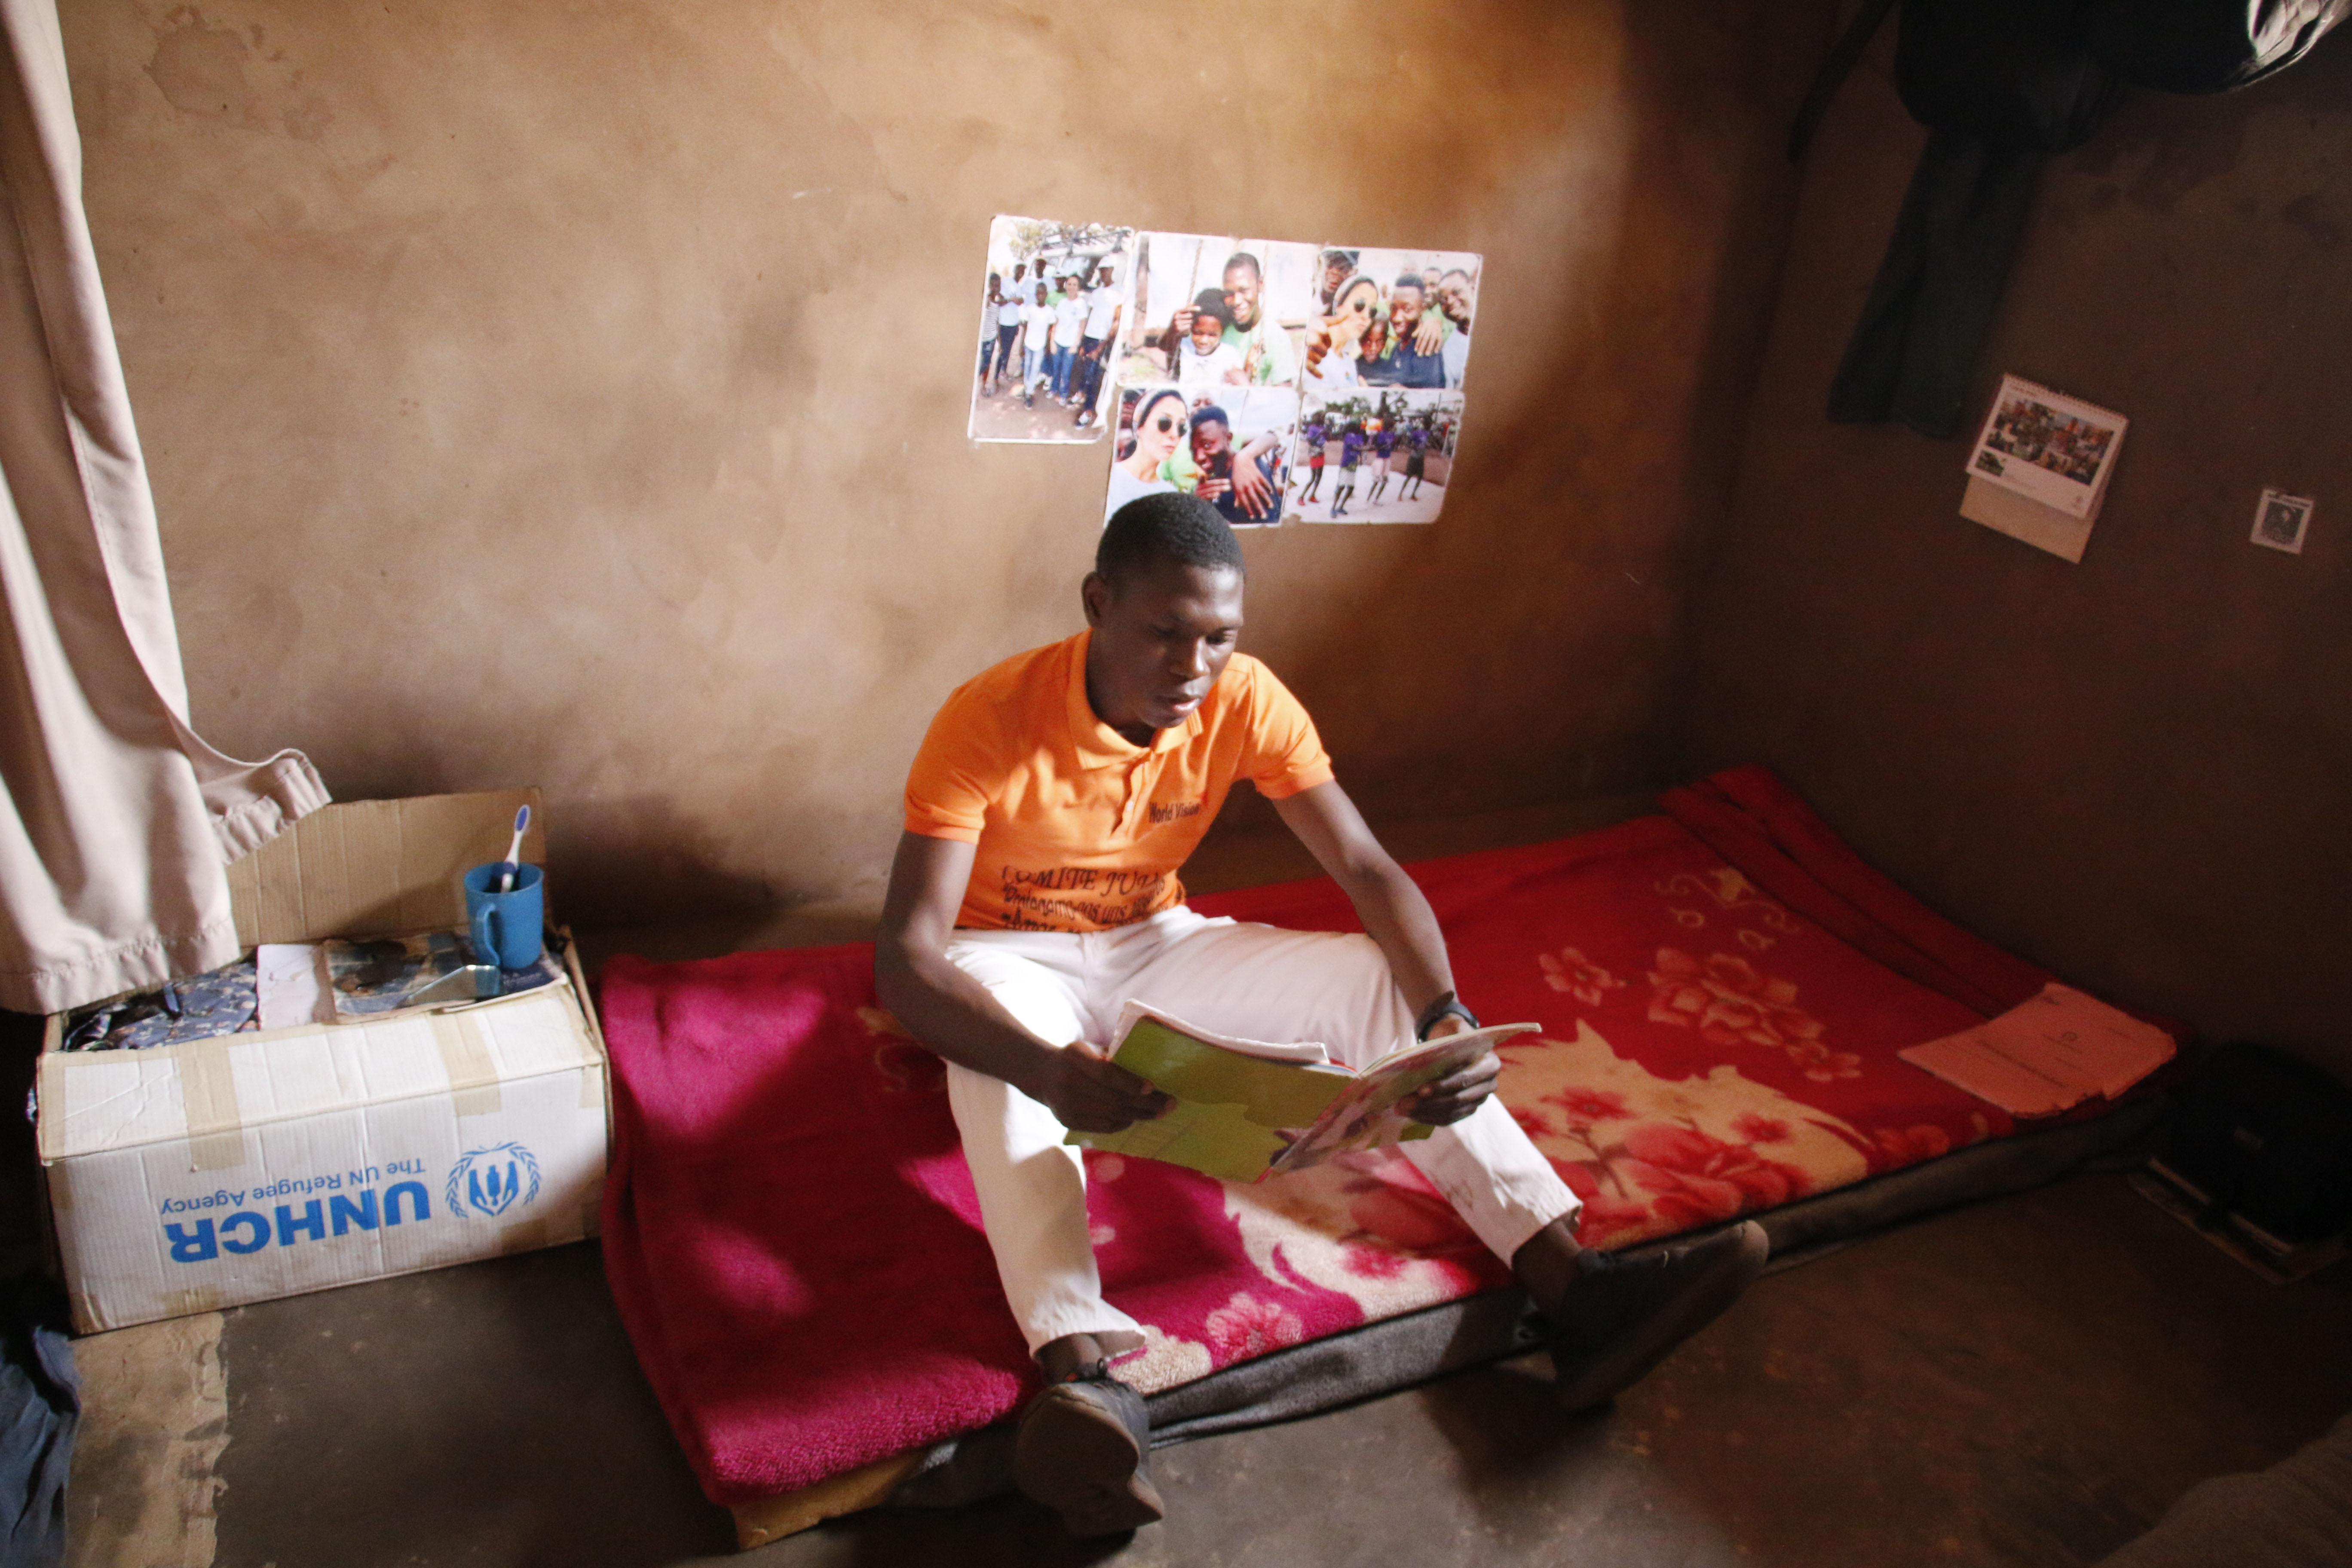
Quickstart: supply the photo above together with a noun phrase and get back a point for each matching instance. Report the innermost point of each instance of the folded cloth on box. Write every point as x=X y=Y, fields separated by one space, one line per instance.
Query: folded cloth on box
x=792 y=1241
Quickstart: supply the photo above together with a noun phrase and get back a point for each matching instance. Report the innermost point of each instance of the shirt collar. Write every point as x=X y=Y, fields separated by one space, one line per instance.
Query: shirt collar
x=1096 y=743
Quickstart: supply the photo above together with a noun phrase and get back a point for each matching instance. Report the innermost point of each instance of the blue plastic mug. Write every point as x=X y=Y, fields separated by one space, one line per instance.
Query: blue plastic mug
x=507 y=924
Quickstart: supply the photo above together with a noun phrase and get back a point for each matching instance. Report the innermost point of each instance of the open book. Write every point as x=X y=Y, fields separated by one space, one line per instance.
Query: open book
x=1248 y=1109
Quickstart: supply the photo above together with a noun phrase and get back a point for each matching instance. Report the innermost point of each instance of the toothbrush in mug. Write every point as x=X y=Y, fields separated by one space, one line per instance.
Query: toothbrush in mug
x=514 y=850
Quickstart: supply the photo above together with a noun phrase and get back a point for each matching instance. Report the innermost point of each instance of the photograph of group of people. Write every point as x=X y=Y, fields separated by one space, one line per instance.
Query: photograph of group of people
x=1390 y=317
x=1379 y=455
x=1229 y=445
x=1051 y=319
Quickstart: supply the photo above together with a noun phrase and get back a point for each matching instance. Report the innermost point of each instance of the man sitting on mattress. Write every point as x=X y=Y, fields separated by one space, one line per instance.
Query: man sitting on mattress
x=1034 y=892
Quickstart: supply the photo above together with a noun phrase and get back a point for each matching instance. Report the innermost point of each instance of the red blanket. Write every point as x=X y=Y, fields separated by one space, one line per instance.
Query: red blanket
x=792 y=1238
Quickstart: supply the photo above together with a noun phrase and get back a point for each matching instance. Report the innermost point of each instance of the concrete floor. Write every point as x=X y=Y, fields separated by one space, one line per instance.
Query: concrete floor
x=2026 y=1382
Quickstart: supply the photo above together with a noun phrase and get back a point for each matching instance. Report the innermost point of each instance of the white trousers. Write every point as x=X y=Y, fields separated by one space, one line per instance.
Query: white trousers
x=1256 y=982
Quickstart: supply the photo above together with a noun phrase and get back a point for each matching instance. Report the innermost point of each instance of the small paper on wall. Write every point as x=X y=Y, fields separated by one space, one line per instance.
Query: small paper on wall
x=2280 y=520
x=1052 y=311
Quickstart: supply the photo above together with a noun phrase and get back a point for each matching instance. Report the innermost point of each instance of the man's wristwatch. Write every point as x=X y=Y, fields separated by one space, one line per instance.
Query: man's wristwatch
x=1447 y=1005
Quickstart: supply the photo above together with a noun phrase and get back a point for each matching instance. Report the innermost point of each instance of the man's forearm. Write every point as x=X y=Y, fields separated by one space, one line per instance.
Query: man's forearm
x=953 y=1015
x=1398 y=917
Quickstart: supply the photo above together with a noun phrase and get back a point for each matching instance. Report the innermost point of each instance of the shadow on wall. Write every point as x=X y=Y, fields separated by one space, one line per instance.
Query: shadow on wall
x=638 y=859
x=1598 y=454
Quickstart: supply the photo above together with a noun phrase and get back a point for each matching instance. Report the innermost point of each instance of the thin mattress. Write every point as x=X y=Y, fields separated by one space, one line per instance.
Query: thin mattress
x=792 y=1238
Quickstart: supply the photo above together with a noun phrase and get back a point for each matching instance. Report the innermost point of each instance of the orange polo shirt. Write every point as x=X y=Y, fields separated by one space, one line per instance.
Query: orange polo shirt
x=1078 y=827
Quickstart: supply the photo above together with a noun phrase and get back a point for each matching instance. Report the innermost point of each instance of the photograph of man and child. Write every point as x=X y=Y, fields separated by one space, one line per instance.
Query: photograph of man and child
x=1050 y=320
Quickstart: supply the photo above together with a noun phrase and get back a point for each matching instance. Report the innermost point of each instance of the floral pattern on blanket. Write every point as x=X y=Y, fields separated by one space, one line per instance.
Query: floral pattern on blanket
x=1356 y=1239
x=1652 y=1156
x=1730 y=1004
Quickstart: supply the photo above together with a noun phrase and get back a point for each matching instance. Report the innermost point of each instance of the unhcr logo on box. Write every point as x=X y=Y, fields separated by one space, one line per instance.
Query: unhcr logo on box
x=490 y=1181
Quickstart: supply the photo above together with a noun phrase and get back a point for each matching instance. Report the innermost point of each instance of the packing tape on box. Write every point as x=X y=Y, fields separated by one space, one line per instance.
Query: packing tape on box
x=466 y=1057
x=208 y=1096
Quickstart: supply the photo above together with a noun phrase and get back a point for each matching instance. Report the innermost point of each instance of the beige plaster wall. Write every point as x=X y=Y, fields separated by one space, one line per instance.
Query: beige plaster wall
x=574 y=395
x=2137 y=769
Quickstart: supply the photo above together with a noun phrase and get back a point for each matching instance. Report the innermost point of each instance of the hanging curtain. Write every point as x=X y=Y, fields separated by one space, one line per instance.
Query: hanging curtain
x=121 y=821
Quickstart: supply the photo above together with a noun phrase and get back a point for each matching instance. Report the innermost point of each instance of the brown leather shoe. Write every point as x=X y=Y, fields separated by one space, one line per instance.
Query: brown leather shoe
x=1084 y=1450
x=1624 y=1315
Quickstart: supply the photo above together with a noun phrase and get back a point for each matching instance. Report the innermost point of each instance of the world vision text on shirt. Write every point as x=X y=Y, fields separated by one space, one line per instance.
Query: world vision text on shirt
x=1078 y=828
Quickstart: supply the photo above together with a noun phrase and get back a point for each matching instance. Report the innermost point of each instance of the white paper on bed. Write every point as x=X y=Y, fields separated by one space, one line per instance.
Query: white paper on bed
x=2047 y=1055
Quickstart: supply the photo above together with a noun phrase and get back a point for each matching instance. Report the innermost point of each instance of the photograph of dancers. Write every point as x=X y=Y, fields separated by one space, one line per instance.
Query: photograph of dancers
x=1385 y=455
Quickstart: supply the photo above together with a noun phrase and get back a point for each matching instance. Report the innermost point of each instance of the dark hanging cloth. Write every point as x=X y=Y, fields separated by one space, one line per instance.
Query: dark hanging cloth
x=40 y=1406
x=2001 y=85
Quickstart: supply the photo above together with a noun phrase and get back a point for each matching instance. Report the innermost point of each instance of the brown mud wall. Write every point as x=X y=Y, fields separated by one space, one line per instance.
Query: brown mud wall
x=575 y=396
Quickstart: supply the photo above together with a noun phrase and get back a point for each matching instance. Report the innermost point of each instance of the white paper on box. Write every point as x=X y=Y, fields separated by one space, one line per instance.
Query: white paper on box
x=248 y=1167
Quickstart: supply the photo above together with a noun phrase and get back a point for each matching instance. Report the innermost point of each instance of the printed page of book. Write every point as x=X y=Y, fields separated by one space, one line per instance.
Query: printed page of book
x=1366 y=1115
x=2027 y=521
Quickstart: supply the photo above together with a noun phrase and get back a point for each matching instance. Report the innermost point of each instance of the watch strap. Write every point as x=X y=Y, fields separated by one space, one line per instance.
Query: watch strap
x=1446 y=1004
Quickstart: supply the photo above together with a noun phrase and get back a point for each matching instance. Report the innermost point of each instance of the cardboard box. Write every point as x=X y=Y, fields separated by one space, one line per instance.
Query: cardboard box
x=192 y=1177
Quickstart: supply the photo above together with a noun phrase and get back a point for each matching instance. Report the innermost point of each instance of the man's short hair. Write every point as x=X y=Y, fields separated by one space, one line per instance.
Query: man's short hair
x=1411 y=280
x=1209 y=413
x=1243 y=258
x=1169 y=526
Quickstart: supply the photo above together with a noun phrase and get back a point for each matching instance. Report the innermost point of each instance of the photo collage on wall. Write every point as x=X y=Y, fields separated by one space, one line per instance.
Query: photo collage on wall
x=1284 y=382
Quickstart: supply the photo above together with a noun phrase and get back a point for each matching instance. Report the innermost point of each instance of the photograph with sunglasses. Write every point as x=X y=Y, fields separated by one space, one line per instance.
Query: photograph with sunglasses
x=1229 y=447
x=1211 y=311
x=1051 y=318
x=1390 y=317
x=1242 y=437
x=1374 y=455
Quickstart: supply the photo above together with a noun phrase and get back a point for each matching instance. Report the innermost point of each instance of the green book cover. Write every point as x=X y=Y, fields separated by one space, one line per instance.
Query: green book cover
x=1239 y=1115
